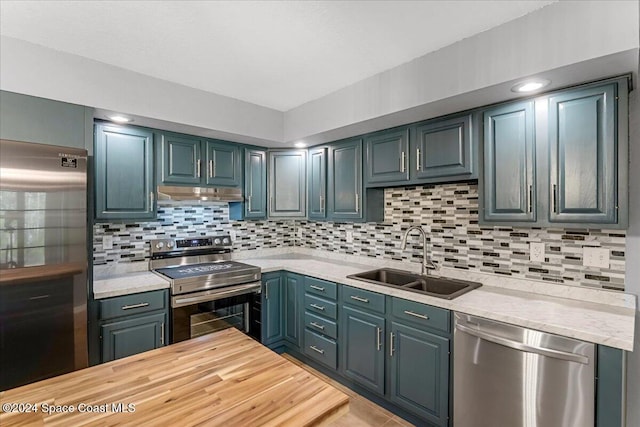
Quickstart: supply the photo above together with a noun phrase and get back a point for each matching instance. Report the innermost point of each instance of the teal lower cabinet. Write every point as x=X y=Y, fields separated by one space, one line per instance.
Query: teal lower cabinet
x=292 y=307
x=419 y=377
x=320 y=320
x=363 y=348
x=272 y=313
x=132 y=324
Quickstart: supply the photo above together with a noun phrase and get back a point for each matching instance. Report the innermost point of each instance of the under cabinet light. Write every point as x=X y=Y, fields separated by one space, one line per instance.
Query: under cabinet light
x=120 y=119
x=530 y=85
x=300 y=145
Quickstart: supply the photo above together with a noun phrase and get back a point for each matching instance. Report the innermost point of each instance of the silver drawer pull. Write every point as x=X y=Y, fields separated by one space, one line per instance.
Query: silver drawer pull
x=360 y=299
x=411 y=313
x=129 y=307
x=317 y=288
x=314 y=348
x=314 y=324
x=317 y=307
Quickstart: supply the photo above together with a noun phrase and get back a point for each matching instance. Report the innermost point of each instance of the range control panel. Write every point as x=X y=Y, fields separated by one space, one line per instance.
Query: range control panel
x=190 y=244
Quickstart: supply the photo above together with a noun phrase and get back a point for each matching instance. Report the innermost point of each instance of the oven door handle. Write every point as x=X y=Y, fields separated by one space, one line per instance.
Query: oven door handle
x=179 y=301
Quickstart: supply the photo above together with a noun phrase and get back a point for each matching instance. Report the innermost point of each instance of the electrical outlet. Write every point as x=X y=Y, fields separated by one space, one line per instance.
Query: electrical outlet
x=300 y=232
x=107 y=242
x=595 y=257
x=536 y=251
x=349 y=236
x=233 y=235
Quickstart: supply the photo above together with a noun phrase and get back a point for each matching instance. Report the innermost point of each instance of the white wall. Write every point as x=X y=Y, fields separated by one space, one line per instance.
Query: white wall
x=553 y=37
x=30 y=69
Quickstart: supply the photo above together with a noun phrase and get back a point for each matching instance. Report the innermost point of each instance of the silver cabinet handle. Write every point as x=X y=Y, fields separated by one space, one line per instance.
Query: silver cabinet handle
x=529 y=199
x=391 y=349
x=554 y=199
x=271 y=207
x=151 y=197
x=314 y=348
x=417 y=159
x=266 y=291
x=357 y=298
x=379 y=339
x=129 y=307
x=421 y=316
x=403 y=159
x=321 y=203
x=198 y=167
x=317 y=288
x=162 y=333
x=249 y=202
x=317 y=307
x=563 y=355
x=315 y=325
x=210 y=168
x=357 y=202
x=39 y=297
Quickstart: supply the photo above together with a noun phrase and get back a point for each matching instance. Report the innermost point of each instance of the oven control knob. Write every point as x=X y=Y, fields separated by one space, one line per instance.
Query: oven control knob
x=159 y=245
x=169 y=245
x=216 y=241
x=225 y=240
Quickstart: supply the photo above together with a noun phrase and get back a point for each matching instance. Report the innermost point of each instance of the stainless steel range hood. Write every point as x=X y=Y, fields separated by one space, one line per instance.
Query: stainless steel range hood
x=202 y=194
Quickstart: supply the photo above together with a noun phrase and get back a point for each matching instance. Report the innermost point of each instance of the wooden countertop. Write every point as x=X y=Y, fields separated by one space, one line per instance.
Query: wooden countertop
x=224 y=378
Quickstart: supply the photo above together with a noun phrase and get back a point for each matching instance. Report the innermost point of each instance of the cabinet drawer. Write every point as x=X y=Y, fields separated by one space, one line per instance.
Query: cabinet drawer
x=364 y=299
x=420 y=314
x=132 y=304
x=321 y=325
x=322 y=349
x=321 y=287
x=320 y=306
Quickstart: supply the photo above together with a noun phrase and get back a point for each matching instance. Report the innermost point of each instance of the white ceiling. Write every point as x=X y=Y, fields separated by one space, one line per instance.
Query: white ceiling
x=278 y=54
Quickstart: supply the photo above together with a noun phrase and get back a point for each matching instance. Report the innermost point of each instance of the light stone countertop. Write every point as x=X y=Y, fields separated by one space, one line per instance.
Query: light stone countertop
x=598 y=316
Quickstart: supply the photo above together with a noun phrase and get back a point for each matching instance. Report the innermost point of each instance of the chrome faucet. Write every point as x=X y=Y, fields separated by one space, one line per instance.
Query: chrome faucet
x=426 y=262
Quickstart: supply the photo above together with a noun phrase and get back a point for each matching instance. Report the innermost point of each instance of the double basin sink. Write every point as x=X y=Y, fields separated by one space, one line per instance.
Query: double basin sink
x=440 y=287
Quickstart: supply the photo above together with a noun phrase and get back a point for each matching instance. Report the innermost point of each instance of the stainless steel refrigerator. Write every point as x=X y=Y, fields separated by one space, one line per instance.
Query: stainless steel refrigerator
x=43 y=261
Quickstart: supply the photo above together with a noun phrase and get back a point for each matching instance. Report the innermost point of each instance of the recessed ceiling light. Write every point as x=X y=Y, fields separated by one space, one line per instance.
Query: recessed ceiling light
x=530 y=85
x=120 y=119
x=300 y=144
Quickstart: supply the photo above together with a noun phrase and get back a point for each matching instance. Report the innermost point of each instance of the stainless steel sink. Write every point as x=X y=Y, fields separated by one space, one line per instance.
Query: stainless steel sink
x=440 y=287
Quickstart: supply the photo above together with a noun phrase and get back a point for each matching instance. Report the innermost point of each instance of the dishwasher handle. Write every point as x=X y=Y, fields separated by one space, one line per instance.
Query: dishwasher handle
x=563 y=355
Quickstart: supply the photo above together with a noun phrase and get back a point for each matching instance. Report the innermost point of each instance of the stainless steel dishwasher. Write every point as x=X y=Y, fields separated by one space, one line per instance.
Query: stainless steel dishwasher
x=508 y=376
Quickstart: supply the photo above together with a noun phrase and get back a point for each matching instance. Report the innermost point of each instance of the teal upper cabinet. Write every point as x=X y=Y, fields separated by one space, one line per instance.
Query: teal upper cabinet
x=509 y=163
x=345 y=180
x=583 y=155
x=444 y=148
x=255 y=183
x=387 y=156
x=317 y=196
x=188 y=160
x=223 y=164
x=124 y=173
x=558 y=160
x=287 y=183
x=181 y=160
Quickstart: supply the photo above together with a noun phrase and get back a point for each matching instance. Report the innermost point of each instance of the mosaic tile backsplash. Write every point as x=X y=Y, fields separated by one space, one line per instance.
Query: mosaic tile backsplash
x=449 y=214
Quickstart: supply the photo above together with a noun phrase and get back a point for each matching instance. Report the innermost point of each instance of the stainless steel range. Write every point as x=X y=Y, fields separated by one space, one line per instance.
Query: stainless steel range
x=209 y=292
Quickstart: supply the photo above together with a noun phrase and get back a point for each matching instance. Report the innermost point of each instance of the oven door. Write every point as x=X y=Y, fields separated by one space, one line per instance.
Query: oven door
x=201 y=313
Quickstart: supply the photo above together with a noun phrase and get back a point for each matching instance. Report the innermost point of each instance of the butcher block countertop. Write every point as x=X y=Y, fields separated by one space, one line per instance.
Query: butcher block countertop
x=224 y=378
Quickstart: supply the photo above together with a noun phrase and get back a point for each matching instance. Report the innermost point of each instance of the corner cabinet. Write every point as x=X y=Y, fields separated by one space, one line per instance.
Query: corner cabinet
x=287 y=183
x=124 y=185
x=559 y=160
x=187 y=160
x=132 y=324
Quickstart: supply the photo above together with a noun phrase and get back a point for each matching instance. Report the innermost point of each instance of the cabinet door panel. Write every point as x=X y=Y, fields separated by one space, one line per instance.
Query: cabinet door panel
x=255 y=184
x=420 y=372
x=223 y=164
x=287 y=177
x=509 y=193
x=180 y=160
x=345 y=181
x=272 y=324
x=293 y=308
x=388 y=156
x=124 y=173
x=317 y=183
x=583 y=156
x=132 y=336
x=362 y=335
x=444 y=148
